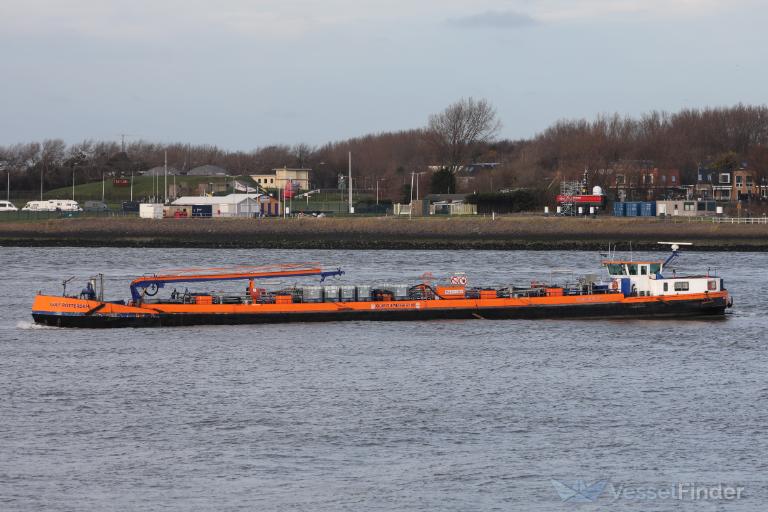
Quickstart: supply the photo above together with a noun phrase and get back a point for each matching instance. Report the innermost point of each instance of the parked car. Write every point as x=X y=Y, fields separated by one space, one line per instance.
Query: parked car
x=131 y=206
x=95 y=206
x=7 y=206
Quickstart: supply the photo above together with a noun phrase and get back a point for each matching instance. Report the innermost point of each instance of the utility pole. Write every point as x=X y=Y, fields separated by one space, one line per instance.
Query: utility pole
x=410 y=208
x=131 y=186
x=102 y=186
x=4 y=167
x=42 y=169
x=73 y=182
x=165 y=178
x=418 y=178
x=351 y=208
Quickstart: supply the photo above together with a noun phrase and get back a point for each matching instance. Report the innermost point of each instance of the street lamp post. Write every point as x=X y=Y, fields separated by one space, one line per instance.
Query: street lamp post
x=418 y=178
x=377 y=189
x=4 y=167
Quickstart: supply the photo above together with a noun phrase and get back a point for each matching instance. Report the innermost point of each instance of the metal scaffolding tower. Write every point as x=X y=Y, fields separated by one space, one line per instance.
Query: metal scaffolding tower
x=569 y=189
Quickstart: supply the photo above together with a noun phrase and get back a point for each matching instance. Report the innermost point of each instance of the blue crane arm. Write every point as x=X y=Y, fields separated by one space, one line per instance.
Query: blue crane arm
x=160 y=281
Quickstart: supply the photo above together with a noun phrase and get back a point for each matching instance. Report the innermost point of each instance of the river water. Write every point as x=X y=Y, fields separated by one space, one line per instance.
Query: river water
x=459 y=415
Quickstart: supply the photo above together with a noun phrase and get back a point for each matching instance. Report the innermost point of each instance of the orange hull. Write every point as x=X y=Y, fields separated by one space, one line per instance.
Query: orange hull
x=64 y=311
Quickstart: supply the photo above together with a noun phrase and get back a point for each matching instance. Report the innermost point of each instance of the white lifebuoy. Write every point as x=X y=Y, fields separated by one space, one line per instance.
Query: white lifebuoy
x=463 y=280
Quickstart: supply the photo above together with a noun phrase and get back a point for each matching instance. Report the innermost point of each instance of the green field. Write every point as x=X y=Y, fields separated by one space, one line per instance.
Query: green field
x=143 y=187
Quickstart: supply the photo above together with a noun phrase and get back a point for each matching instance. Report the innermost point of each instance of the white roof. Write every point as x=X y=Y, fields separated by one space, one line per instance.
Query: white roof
x=228 y=199
x=207 y=170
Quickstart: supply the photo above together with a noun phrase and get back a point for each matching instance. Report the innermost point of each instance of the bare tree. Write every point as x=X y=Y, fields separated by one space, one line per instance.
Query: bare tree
x=301 y=153
x=462 y=126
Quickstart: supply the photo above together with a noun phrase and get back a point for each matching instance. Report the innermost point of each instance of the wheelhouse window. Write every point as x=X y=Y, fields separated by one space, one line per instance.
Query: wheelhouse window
x=643 y=270
x=656 y=268
x=615 y=269
x=632 y=269
x=681 y=286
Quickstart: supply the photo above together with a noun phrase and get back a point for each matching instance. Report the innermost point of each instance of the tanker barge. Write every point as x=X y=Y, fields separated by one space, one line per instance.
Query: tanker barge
x=633 y=289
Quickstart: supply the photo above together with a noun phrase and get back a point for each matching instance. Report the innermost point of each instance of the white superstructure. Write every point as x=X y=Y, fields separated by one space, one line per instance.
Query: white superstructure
x=648 y=278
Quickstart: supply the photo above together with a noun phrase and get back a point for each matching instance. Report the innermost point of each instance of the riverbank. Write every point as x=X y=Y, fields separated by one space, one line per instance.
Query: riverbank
x=513 y=232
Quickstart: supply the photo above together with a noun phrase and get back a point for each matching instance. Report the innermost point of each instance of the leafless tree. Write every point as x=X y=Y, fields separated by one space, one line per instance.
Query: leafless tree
x=301 y=153
x=462 y=126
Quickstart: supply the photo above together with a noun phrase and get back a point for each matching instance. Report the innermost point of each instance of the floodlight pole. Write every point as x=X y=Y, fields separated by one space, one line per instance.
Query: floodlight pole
x=165 y=178
x=351 y=210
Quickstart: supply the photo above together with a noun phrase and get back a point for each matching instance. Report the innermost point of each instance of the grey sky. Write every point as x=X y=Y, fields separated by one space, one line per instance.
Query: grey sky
x=243 y=74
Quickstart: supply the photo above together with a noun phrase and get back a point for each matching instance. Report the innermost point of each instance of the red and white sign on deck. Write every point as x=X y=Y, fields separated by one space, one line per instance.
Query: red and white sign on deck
x=458 y=280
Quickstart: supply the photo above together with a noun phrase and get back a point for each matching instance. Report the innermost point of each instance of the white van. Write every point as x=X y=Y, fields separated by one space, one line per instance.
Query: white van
x=7 y=206
x=52 y=205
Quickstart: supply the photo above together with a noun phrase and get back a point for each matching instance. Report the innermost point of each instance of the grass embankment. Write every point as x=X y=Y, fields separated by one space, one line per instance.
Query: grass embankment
x=143 y=186
x=148 y=186
x=514 y=232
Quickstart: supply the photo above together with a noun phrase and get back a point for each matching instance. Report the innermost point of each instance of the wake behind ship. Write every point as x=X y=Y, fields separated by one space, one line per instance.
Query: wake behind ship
x=633 y=289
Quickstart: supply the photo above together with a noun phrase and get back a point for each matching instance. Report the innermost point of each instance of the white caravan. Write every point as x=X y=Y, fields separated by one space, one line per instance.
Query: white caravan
x=52 y=205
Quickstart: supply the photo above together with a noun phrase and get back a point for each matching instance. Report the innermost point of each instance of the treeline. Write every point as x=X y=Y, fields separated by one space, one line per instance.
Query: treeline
x=716 y=137
x=683 y=140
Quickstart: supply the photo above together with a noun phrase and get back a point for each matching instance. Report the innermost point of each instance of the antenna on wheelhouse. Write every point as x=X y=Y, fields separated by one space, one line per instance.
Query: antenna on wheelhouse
x=675 y=247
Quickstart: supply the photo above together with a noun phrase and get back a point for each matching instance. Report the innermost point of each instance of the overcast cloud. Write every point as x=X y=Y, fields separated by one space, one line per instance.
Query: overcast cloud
x=494 y=19
x=242 y=74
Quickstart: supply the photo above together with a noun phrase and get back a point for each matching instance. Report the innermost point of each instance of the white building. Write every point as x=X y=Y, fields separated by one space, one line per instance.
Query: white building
x=232 y=205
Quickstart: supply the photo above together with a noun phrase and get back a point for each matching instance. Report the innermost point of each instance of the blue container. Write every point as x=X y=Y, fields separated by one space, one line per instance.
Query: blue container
x=202 y=210
x=633 y=209
x=619 y=209
x=648 y=209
